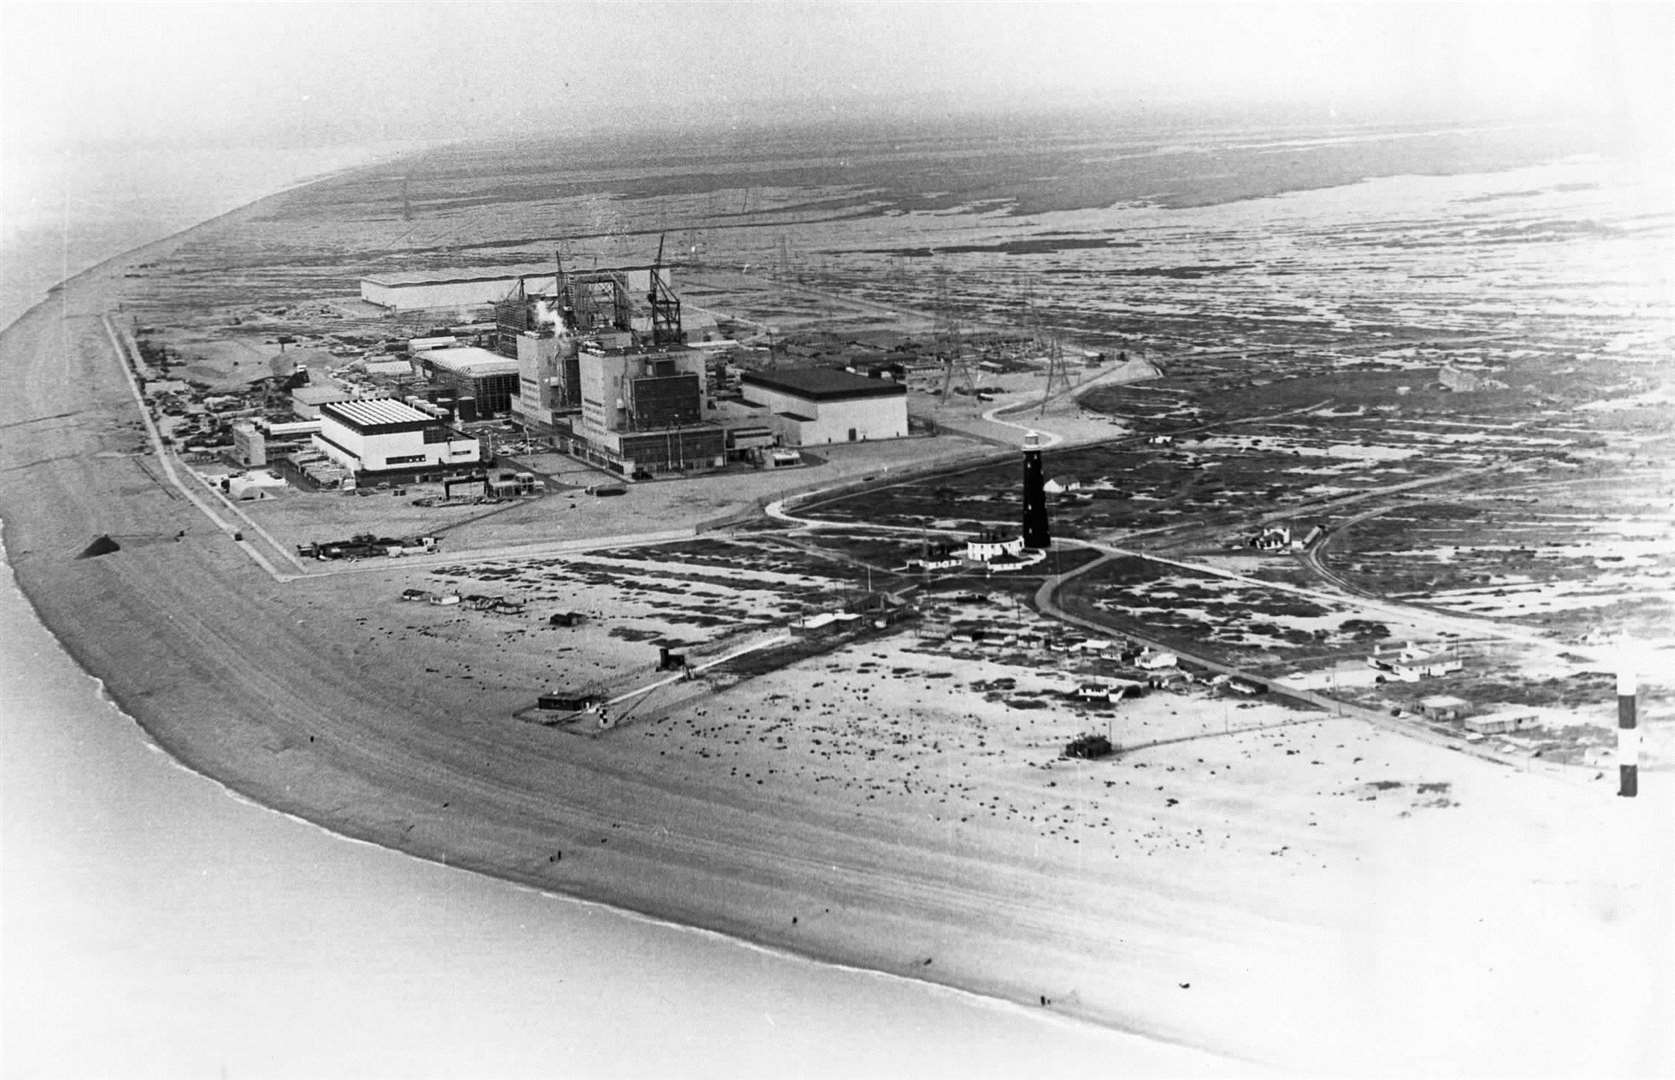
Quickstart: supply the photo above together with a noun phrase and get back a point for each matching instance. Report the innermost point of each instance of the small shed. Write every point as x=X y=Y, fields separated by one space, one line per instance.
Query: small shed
x=1443 y=707
x=1499 y=723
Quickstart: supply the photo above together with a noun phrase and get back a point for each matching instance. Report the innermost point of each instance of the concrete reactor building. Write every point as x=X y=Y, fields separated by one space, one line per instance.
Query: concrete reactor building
x=543 y=324
x=603 y=366
x=642 y=411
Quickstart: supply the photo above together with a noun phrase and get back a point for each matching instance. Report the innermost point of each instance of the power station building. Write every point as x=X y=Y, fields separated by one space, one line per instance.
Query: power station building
x=545 y=322
x=601 y=363
x=642 y=411
x=382 y=438
x=824 y=405
x=549 y=378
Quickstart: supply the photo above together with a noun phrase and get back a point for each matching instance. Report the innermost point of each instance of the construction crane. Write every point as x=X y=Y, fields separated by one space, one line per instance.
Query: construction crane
x=665 y=306
x=561 y=292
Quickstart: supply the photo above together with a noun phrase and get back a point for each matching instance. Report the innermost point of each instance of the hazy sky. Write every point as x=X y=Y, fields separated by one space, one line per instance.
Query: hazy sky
x=316 y=71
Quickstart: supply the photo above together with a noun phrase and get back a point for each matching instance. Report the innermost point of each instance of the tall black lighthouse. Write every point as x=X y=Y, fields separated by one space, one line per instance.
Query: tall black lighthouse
x=1035 y=496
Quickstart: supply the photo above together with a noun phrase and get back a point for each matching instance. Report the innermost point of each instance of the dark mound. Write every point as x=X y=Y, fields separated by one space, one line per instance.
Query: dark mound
x=102 y=545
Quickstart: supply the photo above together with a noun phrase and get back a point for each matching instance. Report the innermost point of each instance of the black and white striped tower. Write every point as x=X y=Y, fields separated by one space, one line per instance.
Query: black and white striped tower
x=1628 y=735
x=1036 y=534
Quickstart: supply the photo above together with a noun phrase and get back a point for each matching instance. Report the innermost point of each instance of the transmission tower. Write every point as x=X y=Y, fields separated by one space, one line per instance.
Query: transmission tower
x=1058 y=375
x=950 y=340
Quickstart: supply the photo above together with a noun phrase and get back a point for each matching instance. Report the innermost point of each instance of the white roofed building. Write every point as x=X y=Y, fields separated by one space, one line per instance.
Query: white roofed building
x=462 y=288
x=487 y=377
x=390 y=438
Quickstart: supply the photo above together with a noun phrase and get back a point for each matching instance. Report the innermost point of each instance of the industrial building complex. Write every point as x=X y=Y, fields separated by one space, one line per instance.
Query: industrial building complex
x=593 y=363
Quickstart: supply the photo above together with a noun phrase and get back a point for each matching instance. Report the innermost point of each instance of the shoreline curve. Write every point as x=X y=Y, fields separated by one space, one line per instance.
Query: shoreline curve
x=163 y=718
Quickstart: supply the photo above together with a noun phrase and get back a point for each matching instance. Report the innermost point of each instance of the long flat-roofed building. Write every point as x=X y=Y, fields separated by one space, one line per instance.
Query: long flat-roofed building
x=463 y=288
x=825 y=405
x=391 y=439
x=471 y=287
x=307 y=399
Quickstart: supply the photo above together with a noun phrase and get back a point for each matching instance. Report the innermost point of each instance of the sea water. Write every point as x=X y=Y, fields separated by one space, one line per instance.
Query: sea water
x=154 y=924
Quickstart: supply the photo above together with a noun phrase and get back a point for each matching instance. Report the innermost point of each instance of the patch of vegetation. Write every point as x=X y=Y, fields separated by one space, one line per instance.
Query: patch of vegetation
x=1091 y=747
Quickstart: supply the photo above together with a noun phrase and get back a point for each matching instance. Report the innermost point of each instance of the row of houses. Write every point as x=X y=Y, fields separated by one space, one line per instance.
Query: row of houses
x=1448 y=708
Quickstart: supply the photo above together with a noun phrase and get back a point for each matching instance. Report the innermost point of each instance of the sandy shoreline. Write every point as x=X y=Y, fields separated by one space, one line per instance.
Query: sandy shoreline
x=1215 y=919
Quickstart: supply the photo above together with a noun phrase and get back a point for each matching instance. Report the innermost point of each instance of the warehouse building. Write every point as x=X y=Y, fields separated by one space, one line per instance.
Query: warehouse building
x=825 y=405
x=490 y=285
x=489 y=379
x=424 y=290
x=375 y=439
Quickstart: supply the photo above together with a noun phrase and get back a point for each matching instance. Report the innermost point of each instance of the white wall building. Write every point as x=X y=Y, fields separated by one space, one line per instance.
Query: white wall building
x=480 y=286
x=257 y=441
x=389 y=437
x=987 y=547
x=421 y=290
x=824 y=405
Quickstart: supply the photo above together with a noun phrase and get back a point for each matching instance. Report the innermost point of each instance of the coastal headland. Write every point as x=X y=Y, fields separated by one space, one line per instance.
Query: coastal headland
x=1304 y=891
